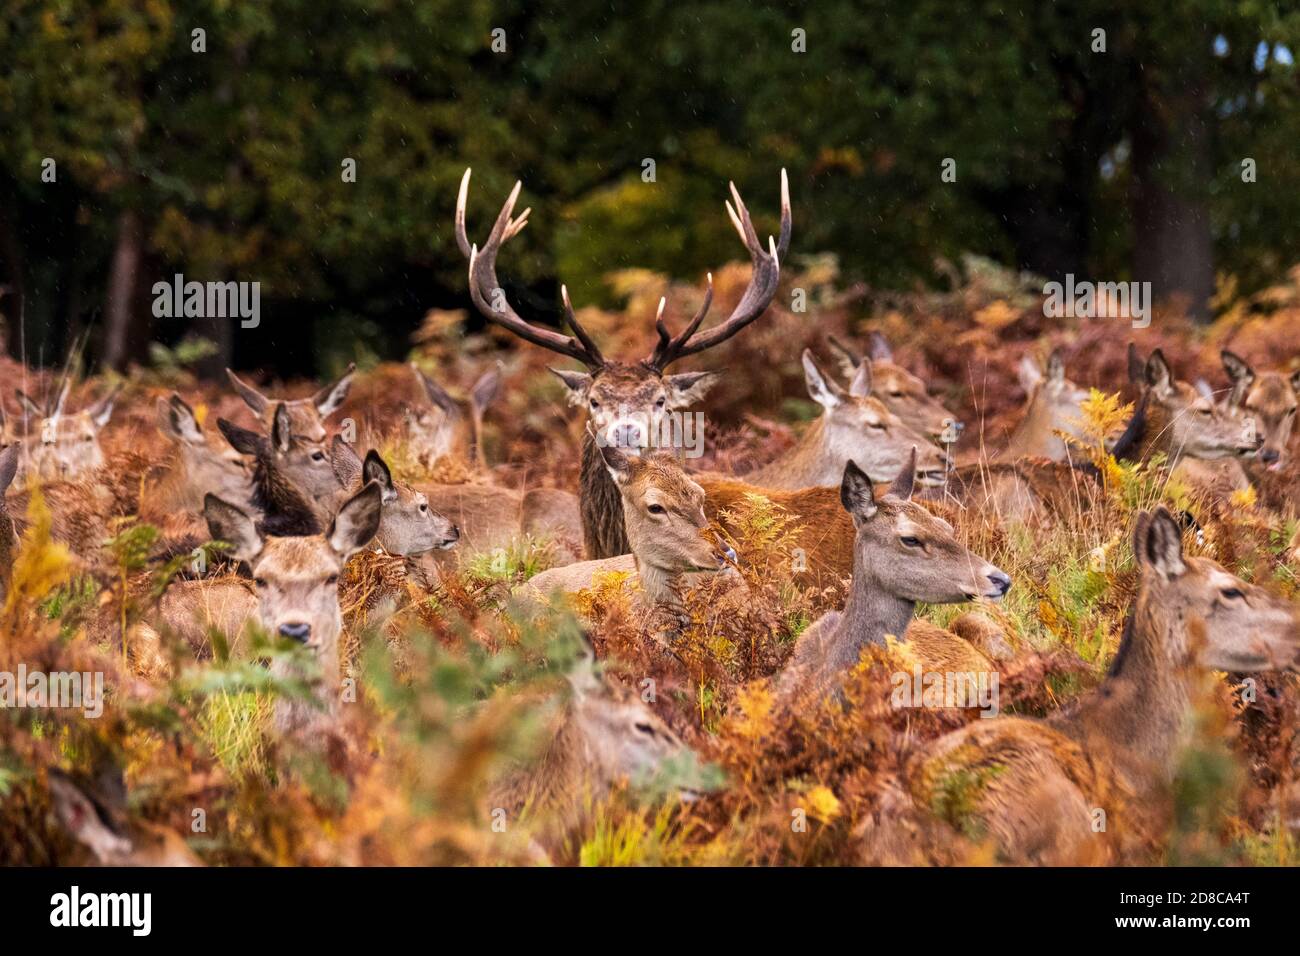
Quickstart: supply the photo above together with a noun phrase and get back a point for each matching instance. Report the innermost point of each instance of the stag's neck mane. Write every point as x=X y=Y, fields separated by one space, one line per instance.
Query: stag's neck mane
x=601 y=505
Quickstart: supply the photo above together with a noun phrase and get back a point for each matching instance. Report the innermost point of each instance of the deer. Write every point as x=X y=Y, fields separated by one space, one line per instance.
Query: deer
x=1037 y=783
x=603 y=735
x=9 y=457
x=1053 y=407
x=102 y=833
x=1268 y=400
x=626 y=402
x=853 y=426
x=666 y=528
x=306 y=415
x=63 y=444
x=904 y=394
x=902 y=554
x=447 y=428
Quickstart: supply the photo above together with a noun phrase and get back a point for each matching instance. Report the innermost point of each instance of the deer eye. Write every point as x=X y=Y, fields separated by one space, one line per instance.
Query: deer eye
x=318 y=456
x=909 y=542
x=895 y=394
x=260 y=582
x=878 y=426
x=594 y=404
x=1231 y=594
x=423 y=508
x=661 y=403
x=645 y=729
x=332 y=580
x=656 y=509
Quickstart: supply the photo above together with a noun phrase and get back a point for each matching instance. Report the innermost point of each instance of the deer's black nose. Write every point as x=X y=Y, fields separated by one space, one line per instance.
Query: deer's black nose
x=296 y=631
x=1269 y=455
x=1001 y=580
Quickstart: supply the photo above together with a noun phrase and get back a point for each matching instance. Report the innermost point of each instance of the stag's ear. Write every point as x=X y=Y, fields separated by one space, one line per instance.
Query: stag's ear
x=689 y=388
x=176 y=420
x=577 y=384
x=376 y=469
x=1158 y=544
x=826 y=392
x=617 y=464
x=226 y=522
x=329 y=398
x=357 y=522
x=485 y=390
x=281 y=429
x=78 y=816
x=1137 y=369
x=1029 y=373
x=1158 y=374
x=857 y=495
x=345 y=462
x=243 y=440
x=861 y=384
x=902 y=486
x=9 y=465
x=251 y=396
x=880 y=350
x=102 y=410
x=1055 y=367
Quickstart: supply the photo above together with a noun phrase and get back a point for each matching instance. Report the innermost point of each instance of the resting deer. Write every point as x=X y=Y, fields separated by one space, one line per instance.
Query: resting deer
x=1034 y=786
x=296 y=581
x=627 y=403
x=853 y=426
x=63 y=444
x=306 y=415
x=666 y=528
x=103 y=836
x=603 y=736
x=905 y=395
x=1053 y=407
x=1266 y=399
x=448 y=428
x=902 y=554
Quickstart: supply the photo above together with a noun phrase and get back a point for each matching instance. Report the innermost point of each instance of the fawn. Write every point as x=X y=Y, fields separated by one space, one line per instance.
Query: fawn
x=902 y=554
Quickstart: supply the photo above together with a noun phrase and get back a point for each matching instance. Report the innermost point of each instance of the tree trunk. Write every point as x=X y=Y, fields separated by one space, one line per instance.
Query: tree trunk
x=118 y=311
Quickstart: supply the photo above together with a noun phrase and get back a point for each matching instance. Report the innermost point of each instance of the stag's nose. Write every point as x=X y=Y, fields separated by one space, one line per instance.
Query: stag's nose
x=296 y=630
x=1001 y=582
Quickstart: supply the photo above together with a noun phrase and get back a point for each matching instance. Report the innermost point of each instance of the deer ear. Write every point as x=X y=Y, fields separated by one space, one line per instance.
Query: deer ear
x=1029 y=373
x=880 y=350
x=176 y=420
x=576 y=382
x=485 y=389
x=9 y=465
x=688 y=388
x=902 y=486
x=582 y=675
x=1137 y=369
x=376 y=469
x=251 y=396
x=244 y=440
x=1203 y=389
x=78 y=816
x=849 y=359
x=28 y=405
x=1295 y=380
x=102 y=410
x=824 y=391
x=345 y=462
x=856 y=494
x=436 y=394
x=617 y=464
x=1238 y=368
x=1158 y=544
x=1158 y=374
x=329 y=398
x=226 y=522
x=1055 y=367
x=357 y=522
x=281 y=429
x=861 y=384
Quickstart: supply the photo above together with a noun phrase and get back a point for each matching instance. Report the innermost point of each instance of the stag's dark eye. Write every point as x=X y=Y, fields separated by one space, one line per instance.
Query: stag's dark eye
x=910 y=542
x=656 y=509
x=1231 y=594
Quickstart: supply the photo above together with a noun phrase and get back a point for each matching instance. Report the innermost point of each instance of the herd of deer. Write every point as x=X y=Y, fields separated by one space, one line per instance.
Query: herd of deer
x=295 y=506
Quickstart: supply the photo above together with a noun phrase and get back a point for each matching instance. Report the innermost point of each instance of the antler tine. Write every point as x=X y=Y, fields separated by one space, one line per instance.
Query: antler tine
x=587 y=341
x=483 y=276
x=668 y=343
x=758 y=295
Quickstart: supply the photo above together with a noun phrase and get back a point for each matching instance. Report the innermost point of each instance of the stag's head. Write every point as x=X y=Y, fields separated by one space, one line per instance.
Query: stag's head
x=306 y=415
x=1237 y=626
x=208 y=464
x=1268 y=401
x=627 y=403
x=62 y=444
x=1188 y=421
x=904 y=394
x=408 y=526
x=905 y=551
x=297 y=577
x=859 y=427
x=663 y=510
x=441 y=426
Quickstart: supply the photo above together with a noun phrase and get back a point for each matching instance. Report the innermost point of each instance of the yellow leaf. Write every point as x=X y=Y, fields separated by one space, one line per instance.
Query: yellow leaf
x=823 y=805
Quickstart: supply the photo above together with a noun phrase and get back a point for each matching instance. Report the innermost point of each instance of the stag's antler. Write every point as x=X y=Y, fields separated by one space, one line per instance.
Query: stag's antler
x=489 y=299
x=758 y=295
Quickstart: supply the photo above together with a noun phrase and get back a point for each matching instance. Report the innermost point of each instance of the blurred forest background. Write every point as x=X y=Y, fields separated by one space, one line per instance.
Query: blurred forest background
x=226 y=164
